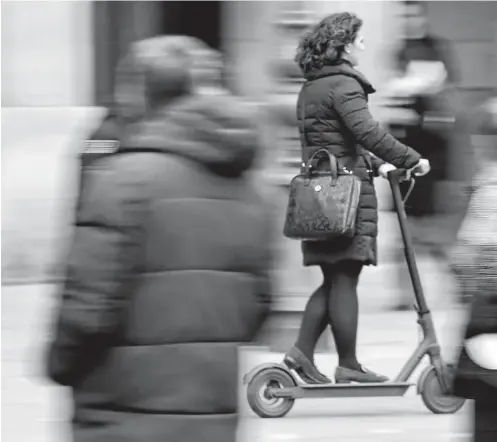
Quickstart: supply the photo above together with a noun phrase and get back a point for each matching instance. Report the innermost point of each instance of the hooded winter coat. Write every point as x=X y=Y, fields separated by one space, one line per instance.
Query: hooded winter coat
x=169 y=266
x=333 y=114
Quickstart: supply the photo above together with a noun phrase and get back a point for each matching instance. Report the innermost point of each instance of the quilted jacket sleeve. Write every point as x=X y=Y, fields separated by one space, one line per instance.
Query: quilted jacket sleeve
x=376 y=163
x=349 y=100
x=100 y=264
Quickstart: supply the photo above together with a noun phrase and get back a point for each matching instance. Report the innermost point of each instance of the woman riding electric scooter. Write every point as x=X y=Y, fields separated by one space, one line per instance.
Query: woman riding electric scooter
x=336 y=117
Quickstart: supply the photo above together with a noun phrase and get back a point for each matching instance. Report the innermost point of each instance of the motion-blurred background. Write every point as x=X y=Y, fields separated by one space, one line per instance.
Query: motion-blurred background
x=58 y=62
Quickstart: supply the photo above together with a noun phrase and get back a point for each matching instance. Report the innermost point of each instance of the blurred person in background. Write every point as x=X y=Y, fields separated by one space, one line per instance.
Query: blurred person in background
x=424 y=61
x=334 y=115
x=425 y=84
x=474 y=261
x=169 y=269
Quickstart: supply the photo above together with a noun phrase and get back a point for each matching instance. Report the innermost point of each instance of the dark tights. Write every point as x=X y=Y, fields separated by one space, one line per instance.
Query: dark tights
x=335 y=303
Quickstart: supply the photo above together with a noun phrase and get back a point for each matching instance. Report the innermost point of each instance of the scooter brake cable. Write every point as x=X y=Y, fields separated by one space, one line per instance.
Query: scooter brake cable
x=411 y=187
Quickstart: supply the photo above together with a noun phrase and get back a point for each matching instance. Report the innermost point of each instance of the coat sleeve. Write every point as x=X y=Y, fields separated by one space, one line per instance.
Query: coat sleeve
x=376 y=163
x=349 y=100
x=102 y=260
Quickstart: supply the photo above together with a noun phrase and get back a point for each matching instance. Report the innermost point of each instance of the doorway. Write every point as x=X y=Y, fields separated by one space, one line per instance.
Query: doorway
x=118 y=23
x=194 y=18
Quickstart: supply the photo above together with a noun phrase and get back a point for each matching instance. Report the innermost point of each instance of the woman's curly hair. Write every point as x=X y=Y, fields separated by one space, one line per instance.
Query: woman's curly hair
x=326 y=41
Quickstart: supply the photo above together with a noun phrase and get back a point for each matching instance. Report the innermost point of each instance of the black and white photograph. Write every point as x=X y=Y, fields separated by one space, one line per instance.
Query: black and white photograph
x=249 y=221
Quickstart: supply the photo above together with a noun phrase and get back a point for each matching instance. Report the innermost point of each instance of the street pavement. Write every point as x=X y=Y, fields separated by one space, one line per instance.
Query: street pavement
x=403 y=419
x=33 y=410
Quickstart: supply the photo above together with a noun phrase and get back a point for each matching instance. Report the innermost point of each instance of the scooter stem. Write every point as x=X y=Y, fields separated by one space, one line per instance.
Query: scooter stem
x=394 y=178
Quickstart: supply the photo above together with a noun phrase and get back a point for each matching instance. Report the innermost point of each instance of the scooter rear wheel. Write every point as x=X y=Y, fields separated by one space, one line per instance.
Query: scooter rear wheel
x=259 y=397
x=433 y=396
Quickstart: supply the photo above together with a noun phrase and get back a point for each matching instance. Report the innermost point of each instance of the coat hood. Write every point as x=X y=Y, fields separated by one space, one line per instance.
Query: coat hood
x=215 y=131
x=168 y=99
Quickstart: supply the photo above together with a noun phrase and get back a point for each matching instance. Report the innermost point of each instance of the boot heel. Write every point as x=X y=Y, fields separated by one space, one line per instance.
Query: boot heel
x=291 y=363
x=342 y=382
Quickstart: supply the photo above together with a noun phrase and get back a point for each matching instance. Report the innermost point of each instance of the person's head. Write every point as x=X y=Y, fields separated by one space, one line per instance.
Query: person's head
x=415 y=18
x=334 y=38
x=158 y=70
x=484 y=131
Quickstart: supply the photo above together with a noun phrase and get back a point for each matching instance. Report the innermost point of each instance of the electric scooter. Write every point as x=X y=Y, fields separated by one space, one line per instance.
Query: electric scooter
x=273 y=388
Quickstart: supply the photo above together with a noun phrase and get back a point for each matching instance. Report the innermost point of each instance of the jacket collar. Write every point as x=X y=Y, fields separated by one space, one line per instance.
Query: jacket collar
x=342 y=68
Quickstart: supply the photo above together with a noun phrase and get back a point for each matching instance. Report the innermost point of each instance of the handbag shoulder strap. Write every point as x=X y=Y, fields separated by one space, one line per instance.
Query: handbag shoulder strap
x=305 y=149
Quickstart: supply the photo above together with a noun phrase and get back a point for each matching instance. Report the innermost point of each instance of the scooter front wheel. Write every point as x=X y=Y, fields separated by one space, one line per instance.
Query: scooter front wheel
x=259 y=397
x=433 y=396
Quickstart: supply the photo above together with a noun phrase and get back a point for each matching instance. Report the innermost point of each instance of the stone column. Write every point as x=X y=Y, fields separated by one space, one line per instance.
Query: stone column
x=47 y=85
x=47 y=53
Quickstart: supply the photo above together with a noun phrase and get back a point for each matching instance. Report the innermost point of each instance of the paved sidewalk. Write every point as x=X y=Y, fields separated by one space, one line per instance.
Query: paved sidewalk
x=34 y=410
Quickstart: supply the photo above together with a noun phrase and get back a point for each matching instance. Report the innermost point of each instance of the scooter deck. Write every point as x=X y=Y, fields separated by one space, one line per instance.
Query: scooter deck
x=386 y=389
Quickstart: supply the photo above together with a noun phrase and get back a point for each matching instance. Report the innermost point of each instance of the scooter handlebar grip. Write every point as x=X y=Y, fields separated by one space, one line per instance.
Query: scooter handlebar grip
x=398 y=175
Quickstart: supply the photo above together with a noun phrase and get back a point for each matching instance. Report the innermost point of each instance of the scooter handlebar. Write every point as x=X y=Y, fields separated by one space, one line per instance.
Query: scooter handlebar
x=400 y=175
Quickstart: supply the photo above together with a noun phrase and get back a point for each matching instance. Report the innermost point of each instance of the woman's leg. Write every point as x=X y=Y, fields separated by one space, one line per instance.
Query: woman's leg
x=343 y=310
x=314 y=322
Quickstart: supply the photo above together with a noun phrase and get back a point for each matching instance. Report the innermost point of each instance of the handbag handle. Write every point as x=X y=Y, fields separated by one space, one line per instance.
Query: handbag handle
x=333 y=163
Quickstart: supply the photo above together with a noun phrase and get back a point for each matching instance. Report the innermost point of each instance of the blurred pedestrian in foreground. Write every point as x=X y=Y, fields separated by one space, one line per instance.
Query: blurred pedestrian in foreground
x=169 y=267
x=475 y=263
x=426 y=86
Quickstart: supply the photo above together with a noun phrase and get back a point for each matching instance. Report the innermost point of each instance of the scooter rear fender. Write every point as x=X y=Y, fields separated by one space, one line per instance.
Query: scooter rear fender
x=274 y=365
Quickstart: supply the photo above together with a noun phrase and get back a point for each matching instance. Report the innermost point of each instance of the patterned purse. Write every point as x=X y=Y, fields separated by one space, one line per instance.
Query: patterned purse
x=322 y=204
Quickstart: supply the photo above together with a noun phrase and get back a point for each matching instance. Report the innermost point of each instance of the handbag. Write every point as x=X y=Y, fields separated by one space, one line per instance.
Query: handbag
x=322 y=205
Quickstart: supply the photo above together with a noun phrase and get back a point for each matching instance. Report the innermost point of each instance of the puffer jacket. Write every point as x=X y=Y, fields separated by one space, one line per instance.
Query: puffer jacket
x=168 y=273
x=333 y=105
